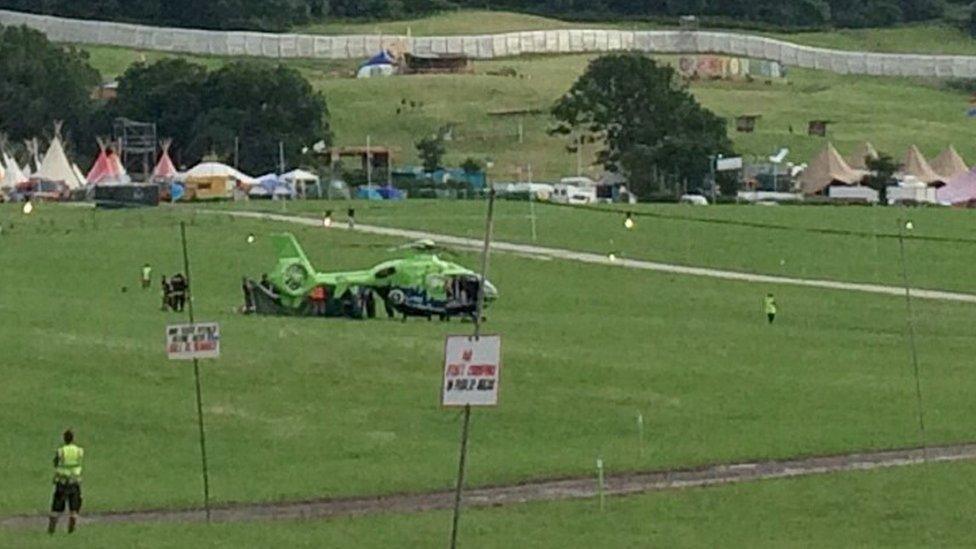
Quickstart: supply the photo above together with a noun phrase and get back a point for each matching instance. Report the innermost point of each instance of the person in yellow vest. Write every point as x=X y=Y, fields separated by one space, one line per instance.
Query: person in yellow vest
x=146 y=276
x=769 y=307
x=67 y=483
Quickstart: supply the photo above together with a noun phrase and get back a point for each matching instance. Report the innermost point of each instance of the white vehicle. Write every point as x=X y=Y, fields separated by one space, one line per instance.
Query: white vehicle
x=574 y=190
x=539 y=191
x=568 y=194
x=694 y=199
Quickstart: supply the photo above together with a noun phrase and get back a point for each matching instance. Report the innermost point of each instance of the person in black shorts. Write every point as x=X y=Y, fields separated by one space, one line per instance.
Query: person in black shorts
x=67 y=483
x=179 y=287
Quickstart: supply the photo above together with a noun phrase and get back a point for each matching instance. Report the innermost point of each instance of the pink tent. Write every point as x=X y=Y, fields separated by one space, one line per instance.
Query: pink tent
x=165 y=169
x=959 y=190
x=108 y=168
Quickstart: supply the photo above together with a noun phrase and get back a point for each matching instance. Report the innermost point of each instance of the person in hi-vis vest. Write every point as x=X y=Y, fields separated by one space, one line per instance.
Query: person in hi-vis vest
x=770 y=308
x=67 y=483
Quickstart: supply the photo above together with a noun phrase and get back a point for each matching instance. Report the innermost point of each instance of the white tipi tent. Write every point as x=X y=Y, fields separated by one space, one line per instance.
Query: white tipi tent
x=78 y=172
x=13 y=175
x=55 y=166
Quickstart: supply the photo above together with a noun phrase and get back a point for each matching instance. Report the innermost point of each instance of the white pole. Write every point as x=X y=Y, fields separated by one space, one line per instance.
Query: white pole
x=369 y=166
x=532 y=205
x=600 y=483
x=579 y=155
x=281 y=169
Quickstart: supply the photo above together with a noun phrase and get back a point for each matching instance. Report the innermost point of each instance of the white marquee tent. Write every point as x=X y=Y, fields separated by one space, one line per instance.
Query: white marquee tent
x=206 y=170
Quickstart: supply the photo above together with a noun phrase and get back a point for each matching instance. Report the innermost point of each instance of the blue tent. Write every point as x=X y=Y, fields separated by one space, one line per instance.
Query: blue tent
x=176 y=191
x=382 y=58
x=270 y=186
x=366 y=193
x=391 y=193
x=381 y=64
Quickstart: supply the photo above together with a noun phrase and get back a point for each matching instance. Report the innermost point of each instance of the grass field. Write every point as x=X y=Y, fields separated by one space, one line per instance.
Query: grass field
x=916 y=507
x=300 y=408
x=890 y=112
x=728 y=237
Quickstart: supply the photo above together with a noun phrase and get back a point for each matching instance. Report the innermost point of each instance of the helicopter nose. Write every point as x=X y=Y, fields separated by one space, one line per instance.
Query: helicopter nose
x=491 y=292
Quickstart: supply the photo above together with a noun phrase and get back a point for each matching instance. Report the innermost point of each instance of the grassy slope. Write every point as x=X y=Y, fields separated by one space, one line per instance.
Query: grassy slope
x=679 y=235
x=300 y=408
x=916 y=507
x=920 y=38
x=447 y=23
x=915 y=38
x=892 y=113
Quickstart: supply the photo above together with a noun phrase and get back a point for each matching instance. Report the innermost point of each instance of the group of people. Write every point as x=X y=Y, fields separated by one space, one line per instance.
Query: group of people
x=174 y=292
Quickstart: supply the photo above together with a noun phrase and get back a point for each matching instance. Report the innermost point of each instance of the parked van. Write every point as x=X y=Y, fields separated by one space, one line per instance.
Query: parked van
x=574 y=190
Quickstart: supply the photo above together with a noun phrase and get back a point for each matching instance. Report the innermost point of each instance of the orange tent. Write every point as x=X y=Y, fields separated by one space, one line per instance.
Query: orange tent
x=916 y=165
x=826 y=169
x=949 y=164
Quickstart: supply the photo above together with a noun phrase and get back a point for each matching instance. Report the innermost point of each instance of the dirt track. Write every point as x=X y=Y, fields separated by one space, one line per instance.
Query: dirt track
x=543 y=490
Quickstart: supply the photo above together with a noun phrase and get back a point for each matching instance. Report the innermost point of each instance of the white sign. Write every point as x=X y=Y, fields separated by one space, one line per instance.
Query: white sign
x=728 y=164
x=189 y=341
x=472 y=371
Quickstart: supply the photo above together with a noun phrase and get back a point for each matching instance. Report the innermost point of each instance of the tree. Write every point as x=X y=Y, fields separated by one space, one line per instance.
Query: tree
x=262 y=106
x=431 y=150
x=883 y=169
x=168 y=92
x=646 y=119
x=472 y=166
x=243 y=107
x=42 y=82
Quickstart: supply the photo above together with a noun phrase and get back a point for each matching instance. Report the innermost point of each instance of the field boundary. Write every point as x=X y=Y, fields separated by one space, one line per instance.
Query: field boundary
x=597 y=259
x=542 y=490
x=491 y=46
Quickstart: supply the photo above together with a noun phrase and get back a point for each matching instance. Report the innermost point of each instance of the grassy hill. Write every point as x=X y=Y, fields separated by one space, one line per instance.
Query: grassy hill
x=892 y=113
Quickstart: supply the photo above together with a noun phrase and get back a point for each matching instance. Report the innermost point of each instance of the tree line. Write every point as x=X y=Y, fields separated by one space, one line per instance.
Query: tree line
x=278 y=15
x=241 y=110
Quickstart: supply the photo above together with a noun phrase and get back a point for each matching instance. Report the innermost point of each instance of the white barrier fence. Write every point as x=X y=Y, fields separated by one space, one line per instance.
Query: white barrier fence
x=491 y=46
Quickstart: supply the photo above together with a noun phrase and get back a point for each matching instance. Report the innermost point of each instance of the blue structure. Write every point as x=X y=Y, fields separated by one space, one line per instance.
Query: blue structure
x=476 y=180
x=365 y=193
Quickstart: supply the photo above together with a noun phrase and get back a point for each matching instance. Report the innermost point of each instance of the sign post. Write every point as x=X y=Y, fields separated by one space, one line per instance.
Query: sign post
x=472 y=365
x=193 y=343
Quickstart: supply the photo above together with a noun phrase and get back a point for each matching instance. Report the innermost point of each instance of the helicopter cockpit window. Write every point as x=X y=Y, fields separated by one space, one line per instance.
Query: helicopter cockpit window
x=386 y=273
